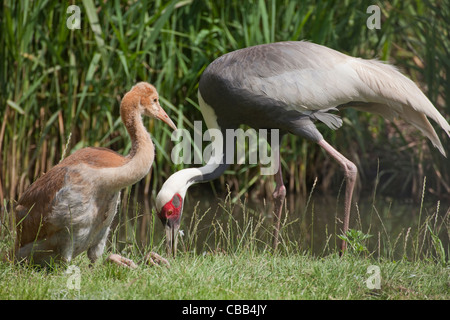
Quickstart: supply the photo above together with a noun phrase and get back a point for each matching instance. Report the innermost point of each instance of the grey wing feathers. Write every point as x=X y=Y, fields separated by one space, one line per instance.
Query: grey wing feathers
x=384 y=85
x=324 y=78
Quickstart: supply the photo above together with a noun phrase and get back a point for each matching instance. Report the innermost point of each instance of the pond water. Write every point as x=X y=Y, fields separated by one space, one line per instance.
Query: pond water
x=397 y=228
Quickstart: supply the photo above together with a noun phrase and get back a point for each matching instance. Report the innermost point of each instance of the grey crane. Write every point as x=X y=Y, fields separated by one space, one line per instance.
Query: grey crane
x=288 y=86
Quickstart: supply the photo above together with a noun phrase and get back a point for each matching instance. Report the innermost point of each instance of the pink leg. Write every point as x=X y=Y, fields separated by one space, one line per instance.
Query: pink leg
x=350 y=172
x=278 y=196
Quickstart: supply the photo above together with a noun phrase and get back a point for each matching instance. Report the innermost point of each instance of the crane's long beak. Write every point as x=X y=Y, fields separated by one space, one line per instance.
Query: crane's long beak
x=172 y=227
x=162 y=115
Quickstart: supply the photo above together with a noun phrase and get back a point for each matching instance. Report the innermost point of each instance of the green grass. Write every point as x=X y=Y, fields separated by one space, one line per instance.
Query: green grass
x=241 y=275
x=234 y=260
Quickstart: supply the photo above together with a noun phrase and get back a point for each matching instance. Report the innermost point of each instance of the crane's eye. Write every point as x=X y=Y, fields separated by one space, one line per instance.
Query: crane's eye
x=169 y=212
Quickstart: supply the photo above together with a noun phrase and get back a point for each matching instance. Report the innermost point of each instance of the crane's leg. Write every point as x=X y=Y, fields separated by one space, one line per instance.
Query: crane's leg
x=350 y=172
x=278 y=196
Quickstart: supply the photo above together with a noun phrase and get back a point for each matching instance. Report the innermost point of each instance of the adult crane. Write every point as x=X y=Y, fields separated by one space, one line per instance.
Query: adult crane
x=288 y=86
x=70 y=208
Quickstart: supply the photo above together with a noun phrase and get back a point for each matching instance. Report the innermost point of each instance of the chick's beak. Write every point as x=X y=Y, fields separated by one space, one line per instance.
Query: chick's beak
x=162 y=115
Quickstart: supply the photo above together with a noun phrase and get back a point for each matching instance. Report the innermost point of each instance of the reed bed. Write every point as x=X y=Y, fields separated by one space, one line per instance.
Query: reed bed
x=61 y=88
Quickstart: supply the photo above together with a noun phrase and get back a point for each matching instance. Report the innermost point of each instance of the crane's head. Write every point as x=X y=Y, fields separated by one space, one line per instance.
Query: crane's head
x=143 y=98
x=169 y=207
x=169 y=204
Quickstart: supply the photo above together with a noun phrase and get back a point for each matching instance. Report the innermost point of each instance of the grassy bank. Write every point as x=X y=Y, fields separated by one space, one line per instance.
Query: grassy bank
x=242 y=275
x=232 y=258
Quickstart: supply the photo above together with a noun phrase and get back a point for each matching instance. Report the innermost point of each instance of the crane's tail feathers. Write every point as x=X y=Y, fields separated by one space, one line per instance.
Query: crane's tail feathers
x=391 y=94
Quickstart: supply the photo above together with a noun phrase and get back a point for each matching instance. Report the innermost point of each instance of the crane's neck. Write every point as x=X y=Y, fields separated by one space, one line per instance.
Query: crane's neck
x=141 y=143
x=138 y=162
x=181 y=180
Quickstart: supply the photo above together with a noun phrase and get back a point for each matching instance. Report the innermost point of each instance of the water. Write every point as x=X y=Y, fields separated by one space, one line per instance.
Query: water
x=216 y=223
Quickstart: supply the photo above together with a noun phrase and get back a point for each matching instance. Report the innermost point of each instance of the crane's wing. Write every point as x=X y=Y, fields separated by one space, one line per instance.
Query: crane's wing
x=312 y=79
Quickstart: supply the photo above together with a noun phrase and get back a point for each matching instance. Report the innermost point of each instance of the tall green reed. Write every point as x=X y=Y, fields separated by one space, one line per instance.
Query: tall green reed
x=58 y=83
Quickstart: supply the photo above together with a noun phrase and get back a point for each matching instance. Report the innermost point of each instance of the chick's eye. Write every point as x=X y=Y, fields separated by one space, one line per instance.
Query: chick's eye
x=155 y=100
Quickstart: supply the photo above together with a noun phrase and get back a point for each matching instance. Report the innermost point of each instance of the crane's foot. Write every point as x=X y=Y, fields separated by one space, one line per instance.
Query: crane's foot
x=121 y=261
x=153 y=259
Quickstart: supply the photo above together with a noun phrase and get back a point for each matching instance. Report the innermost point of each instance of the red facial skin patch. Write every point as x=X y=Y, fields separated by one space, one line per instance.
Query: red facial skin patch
x=172 y=209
